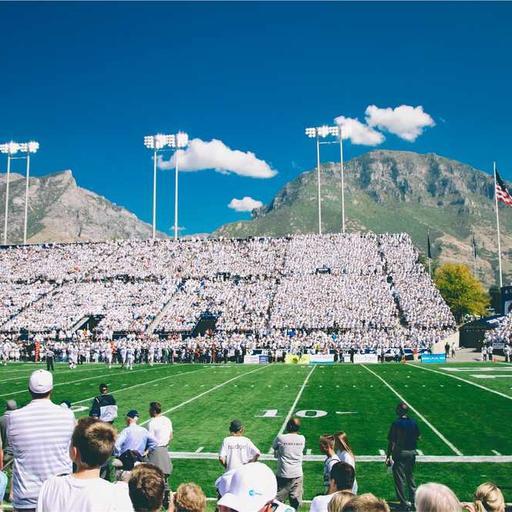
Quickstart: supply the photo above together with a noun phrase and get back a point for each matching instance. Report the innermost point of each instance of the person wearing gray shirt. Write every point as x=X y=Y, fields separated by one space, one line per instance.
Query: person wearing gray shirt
x=289 y=450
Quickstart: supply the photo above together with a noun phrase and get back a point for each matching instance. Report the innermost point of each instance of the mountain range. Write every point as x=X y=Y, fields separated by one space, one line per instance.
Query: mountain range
x=394 y=191
x=61 y=211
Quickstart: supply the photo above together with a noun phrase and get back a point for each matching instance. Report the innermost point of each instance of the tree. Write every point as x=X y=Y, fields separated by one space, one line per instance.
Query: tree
x=463 y=293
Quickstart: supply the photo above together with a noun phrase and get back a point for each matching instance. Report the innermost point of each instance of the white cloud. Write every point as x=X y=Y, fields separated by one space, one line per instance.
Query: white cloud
x=247 y=204
x=404 y=121
x=358 y=132
x=214 y=154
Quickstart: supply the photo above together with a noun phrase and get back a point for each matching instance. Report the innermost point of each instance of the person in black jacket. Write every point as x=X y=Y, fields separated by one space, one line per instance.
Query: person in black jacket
x=104 y=406
x=401 y=454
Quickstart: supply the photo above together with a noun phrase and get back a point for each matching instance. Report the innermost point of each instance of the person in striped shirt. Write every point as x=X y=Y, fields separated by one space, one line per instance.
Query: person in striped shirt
x=39 y=436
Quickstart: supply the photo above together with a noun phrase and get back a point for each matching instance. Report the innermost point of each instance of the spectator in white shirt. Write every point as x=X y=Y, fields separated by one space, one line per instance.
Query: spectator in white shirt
x=160 y=429
x=236 y=449
x=39 y=436
x=84 y=491
x=289 y=449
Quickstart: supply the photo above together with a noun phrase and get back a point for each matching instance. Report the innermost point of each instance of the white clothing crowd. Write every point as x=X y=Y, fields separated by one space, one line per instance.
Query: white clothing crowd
x=359 y=288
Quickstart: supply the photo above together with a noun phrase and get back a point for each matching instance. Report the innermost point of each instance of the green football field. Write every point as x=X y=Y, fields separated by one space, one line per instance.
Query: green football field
x=464 y=412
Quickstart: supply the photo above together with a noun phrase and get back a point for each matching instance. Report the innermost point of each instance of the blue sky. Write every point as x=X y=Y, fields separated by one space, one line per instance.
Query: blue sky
x=89 y=80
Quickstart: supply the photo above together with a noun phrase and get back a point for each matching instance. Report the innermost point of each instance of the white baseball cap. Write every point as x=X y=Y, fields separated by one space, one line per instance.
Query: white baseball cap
x=40 y=382
x=252 y=487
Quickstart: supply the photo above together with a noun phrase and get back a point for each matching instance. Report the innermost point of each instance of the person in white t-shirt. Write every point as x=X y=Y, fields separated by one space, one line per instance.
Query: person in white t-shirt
x=289 y=449
x=160 y=429
x=341 y=478
x=84 y=491
x=236 y=449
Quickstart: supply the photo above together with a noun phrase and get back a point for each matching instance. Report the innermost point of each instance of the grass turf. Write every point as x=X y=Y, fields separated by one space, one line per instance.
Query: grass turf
x=202 y=399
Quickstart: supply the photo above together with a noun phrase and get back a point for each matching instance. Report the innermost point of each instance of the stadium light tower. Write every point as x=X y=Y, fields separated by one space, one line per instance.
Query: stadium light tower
x=321 y=132
x=156 y=143
x=180 y=141
x=10 y=148
x=29 y=147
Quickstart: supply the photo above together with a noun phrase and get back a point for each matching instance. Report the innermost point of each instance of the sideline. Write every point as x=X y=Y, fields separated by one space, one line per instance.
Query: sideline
x=434 y=429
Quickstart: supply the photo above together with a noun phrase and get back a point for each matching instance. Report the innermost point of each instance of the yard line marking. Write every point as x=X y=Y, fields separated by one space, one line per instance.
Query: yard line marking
x=297 y=398
x=382 y=453
x=439 y=459
x=462 y=380
x=209 y=391
x=140 y=384
x=495 y=452
x=200 y=449
x=434 y=429
x=421 y=453
x=308 y=451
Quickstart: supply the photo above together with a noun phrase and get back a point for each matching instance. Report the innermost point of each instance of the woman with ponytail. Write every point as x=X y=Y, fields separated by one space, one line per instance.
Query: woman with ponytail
x=488 y=498
x=344 y=452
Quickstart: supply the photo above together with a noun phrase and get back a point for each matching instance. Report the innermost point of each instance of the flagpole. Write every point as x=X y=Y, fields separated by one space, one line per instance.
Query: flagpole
x=429 y=254
x=474 y=256
x=498 y=227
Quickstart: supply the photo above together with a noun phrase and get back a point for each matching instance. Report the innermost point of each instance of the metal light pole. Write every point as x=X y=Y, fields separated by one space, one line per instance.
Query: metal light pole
x=32 y=147
x=319 y=184
x=10 y=148
x=176 y=196
x=155 y=156
x=179 y=141
x=6 y=213
x=342 y=170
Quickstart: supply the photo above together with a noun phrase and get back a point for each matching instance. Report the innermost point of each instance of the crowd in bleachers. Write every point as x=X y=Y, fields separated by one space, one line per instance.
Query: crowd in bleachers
x=360 y=288
x=501 y=337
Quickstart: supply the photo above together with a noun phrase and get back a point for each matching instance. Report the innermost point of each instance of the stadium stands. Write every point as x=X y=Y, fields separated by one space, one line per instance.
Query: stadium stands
x=353 y=289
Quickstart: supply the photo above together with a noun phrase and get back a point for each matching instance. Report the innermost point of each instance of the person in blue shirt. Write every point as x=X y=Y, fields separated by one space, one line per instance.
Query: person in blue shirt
x=401 y=454
x=134 y=437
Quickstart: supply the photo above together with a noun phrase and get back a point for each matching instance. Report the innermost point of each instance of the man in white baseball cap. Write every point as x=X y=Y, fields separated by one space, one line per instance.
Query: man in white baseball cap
x=39 y=435
x=253 y=488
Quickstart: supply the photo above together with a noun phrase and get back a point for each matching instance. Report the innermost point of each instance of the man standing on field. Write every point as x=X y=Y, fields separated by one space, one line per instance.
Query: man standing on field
x=402 y=439
x=236 y=449
x=289 y=449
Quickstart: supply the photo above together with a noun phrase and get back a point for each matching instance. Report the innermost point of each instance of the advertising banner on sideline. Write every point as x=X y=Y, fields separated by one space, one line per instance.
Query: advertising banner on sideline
x=433 y=358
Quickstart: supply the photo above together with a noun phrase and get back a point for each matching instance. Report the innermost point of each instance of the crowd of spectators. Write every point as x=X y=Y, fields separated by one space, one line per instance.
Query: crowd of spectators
x=360 y=289
x=58 y=463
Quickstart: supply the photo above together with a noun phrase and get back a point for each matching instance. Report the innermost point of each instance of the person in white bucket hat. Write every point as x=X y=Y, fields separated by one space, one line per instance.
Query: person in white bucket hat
x=252 y=488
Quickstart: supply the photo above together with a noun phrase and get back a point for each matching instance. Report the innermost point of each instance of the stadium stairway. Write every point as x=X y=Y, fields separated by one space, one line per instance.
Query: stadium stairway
x=207 y=322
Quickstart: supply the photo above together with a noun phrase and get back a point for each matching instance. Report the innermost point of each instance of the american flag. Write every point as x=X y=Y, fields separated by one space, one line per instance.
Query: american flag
x=502 y=193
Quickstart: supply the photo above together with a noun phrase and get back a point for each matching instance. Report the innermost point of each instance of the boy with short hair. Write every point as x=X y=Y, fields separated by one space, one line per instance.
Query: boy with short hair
x=146 y=488
x=236 y=449
x=84 y=491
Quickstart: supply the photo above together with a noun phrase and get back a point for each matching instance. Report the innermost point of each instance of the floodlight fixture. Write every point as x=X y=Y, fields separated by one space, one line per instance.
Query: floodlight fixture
x=32 y=146
x=181 y=140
